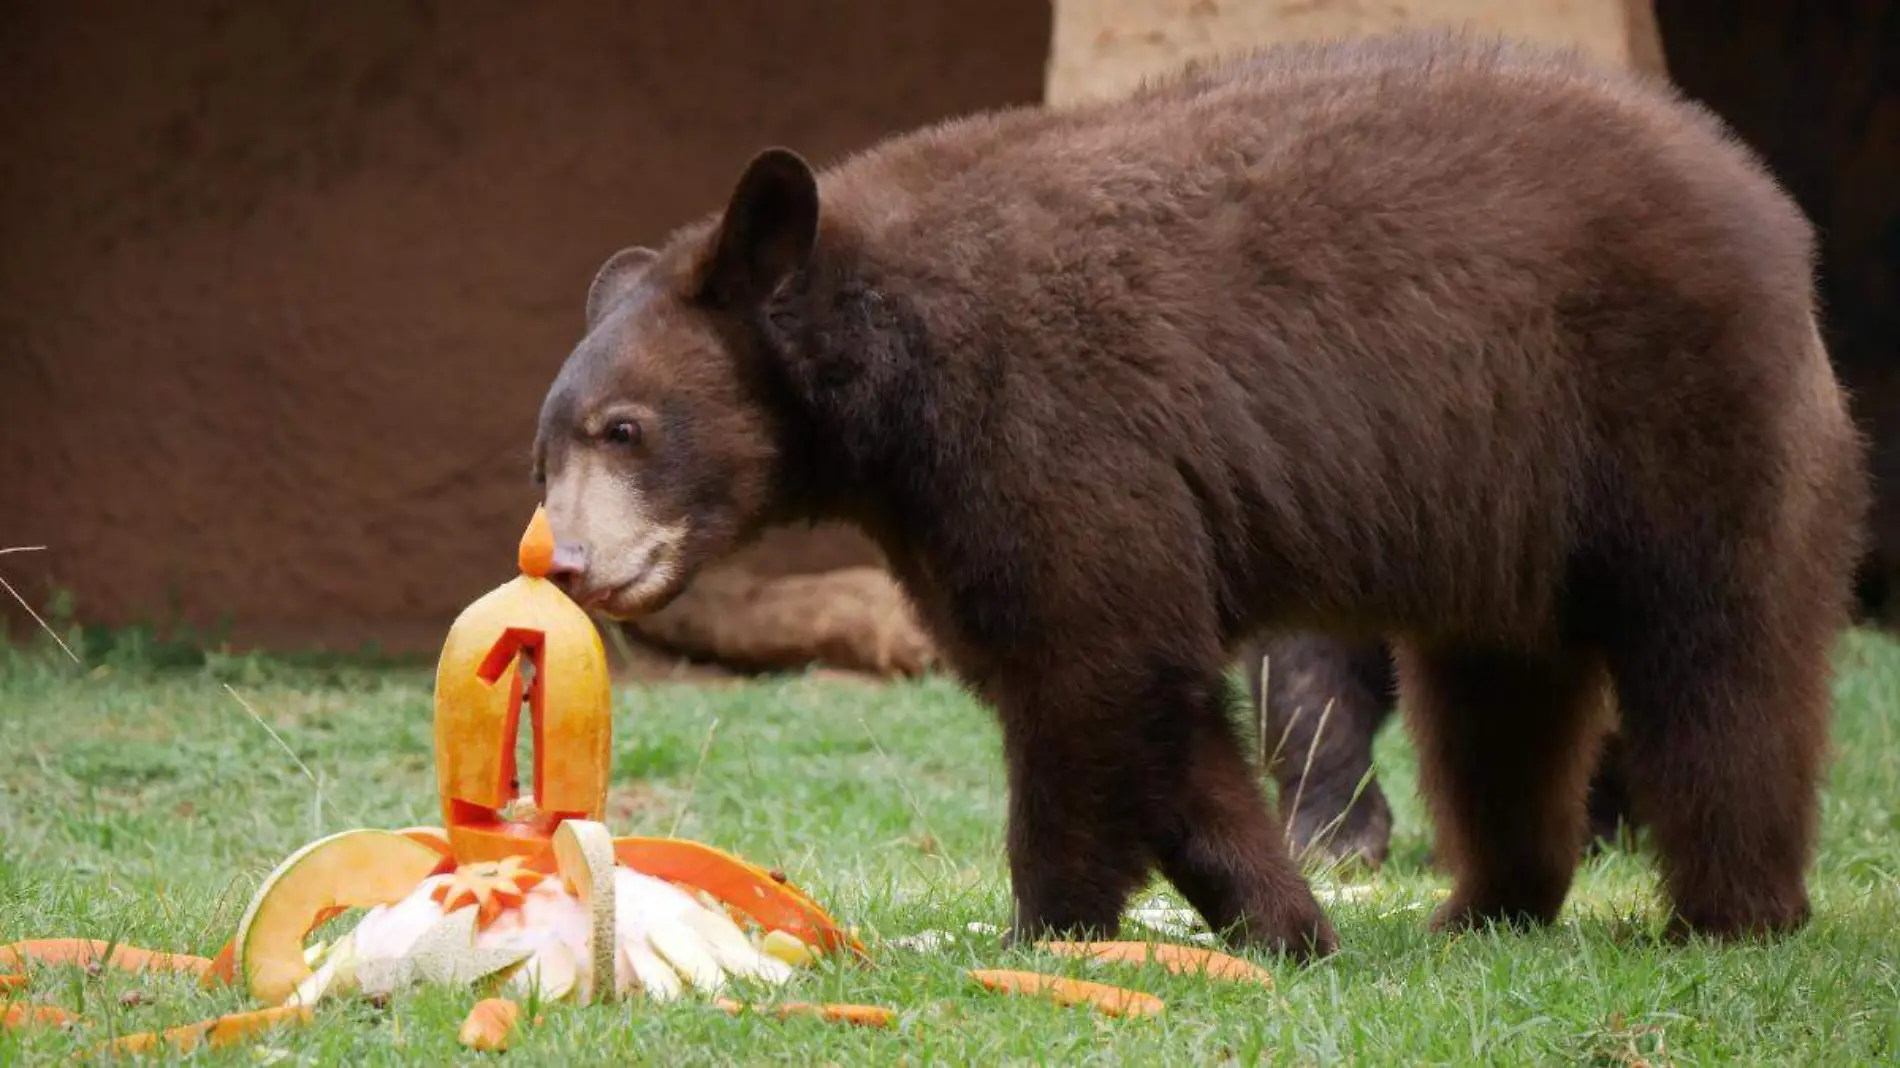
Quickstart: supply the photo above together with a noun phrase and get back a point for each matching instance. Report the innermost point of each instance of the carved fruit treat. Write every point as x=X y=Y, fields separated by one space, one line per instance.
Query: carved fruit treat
x=532 y=893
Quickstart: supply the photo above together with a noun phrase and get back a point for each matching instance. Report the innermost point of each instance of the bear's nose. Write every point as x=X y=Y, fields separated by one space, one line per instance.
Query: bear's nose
x=570 y=564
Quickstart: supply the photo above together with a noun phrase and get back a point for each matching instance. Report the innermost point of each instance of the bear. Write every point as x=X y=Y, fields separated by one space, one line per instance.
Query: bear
x=1475 y=345
x=1322 y=701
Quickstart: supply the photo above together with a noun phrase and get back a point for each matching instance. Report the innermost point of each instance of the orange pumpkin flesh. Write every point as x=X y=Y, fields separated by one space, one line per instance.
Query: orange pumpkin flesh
x=773 y=903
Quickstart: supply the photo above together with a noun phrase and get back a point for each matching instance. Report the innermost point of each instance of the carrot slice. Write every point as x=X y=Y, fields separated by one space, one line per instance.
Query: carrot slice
x=217 y=1032
x=489 y=1024
x=1113 y=1000
x=89 y=951
x=1179 y=959
x=536 y=553
x=31 y=1015
x=831 y=1012
x=773 y=902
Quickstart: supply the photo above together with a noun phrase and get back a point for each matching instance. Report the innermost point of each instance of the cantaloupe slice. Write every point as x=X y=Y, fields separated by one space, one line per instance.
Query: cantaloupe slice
x=584 y=857
x=771 y=901
x=350 y=869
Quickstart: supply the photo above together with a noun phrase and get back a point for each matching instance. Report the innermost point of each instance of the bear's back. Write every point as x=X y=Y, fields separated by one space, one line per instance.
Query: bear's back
x=1375 y=303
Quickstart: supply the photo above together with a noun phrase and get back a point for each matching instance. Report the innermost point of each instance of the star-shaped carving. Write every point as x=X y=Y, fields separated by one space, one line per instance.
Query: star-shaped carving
x=445 y=953
x=492 y=887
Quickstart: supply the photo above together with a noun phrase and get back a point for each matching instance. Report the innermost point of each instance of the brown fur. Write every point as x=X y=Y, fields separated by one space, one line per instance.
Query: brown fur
x=1323 y=701
x=1477 y=346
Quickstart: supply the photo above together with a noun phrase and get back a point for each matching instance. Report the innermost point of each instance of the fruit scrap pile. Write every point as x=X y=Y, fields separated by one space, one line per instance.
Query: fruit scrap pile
x=590 y=917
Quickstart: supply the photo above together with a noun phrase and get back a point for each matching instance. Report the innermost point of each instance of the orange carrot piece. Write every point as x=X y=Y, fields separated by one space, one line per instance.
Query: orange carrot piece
x=489 y=1024
x=31 y=1015
x=88 y=951
x=830 y=1012
x=1113 y=1000
x=767 y=898
x=1179 y=959
x=217 y=1032
x=10 y=983
x=536 y=553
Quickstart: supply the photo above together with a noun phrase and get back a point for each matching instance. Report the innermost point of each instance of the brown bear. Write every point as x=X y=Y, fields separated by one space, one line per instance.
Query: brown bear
x=1478 y=346
x=1322 y=702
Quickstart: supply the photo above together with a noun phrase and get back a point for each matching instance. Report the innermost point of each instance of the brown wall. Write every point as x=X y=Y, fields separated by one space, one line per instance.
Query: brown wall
x=1815 y=88
x=281 y=283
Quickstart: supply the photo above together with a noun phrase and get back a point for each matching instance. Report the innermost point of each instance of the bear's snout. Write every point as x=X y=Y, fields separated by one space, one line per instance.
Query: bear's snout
x=570 y=565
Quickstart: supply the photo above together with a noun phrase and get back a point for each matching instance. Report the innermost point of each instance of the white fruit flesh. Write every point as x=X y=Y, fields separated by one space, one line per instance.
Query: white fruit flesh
x=350 y=869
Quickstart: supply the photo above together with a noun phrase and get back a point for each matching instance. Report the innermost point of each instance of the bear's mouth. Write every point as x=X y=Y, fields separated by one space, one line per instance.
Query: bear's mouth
x=657 y=579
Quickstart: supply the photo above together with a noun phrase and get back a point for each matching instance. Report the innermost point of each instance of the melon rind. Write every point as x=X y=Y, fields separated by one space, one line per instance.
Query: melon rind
x=584 y=856
x=350 y=869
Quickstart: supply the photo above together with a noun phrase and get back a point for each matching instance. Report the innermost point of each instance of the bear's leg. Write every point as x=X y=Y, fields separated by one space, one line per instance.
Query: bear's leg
x=1725 y=742
x=1214 y=836
x=1107 y=776
x=1076 y=841
x=1326 y=699
x=1506 y=743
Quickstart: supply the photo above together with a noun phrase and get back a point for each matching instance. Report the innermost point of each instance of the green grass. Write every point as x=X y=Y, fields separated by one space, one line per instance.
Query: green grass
x=143 y=804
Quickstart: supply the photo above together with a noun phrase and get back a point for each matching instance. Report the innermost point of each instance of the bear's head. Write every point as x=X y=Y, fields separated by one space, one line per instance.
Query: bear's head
x=657 y=449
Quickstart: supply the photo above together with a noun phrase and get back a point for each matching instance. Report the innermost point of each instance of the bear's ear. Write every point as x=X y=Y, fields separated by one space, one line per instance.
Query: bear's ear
x=615 y=278
x=767 y=233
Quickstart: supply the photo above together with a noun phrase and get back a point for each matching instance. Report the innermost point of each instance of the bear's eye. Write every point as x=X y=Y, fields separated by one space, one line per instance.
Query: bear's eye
x=624 y=433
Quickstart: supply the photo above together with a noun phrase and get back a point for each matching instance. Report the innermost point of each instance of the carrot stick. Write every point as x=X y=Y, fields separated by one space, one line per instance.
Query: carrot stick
x=28 y=1015
x=10 y=983
x=217 y=1032
x=1181 y=960
x=1113 y=1000
x=535 y=556
x=89 y=951
x=831 y=1012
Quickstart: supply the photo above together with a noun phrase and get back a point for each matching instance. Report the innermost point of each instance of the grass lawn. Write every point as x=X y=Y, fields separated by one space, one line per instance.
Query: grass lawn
x=142 y=803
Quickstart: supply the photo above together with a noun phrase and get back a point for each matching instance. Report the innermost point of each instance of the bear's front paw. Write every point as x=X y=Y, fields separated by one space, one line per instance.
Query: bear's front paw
x=1298 y=929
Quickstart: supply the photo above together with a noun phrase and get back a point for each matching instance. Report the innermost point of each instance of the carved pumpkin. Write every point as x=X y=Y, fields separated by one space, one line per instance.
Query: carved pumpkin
x=523 y=648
